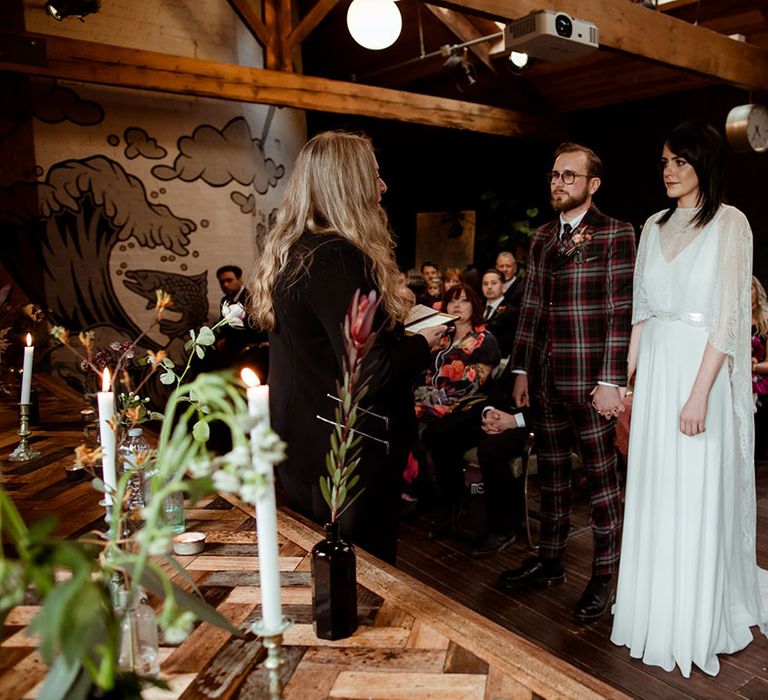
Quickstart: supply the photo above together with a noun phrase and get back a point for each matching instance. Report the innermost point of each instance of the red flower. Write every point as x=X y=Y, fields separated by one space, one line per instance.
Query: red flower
x=453 y=371
x=358 y=323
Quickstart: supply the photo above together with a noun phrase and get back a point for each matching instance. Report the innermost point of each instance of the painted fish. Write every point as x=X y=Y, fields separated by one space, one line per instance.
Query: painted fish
x=189 y=292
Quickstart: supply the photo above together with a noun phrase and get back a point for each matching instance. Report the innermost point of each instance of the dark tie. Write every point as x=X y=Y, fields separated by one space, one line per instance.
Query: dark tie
x=488 y=312
x=565 y=238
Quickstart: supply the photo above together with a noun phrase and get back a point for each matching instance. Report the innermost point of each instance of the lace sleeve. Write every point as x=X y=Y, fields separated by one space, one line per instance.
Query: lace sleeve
x=732 y=299
x=641 y=308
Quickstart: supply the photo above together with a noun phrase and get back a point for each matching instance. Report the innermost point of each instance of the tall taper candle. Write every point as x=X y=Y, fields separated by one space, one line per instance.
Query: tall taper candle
x=266 y=514
x=26 y=373
x=106 y=400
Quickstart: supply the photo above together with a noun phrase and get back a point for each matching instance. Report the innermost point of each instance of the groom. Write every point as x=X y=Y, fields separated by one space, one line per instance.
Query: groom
x=570 y=357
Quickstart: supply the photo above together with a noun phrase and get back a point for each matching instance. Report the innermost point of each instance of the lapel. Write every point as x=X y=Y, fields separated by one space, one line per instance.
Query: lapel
x=589 y=225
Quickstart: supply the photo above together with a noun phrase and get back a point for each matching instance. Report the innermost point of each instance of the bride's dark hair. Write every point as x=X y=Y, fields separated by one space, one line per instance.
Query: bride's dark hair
x=703 y=147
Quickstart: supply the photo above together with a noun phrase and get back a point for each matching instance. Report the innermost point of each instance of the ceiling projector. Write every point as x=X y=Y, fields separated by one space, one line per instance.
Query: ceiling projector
x=551 y=36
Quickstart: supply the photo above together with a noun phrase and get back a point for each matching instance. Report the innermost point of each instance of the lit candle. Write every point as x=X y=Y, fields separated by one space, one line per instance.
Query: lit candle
x=266 y=513
x=106 y=400
x=26 y=372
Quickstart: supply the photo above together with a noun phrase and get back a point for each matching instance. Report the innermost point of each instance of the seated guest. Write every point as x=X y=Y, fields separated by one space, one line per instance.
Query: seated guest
x=405 y=291
x=500 y=317
x=760 y=367
x=462 y=361
x=513 y=285
x=433 y=294
x=504 y=437
x=452 y=277
x=429 y=270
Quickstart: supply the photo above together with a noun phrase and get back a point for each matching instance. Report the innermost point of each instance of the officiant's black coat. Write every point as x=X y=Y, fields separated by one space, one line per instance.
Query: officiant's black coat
x=305 y=361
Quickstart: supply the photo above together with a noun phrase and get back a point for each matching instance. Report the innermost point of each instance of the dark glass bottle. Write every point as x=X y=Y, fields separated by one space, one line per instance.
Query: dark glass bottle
x=334 y=586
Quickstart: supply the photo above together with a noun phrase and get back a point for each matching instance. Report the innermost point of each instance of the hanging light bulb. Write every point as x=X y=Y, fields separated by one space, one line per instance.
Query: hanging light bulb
x=374 y=24
x=520 y=60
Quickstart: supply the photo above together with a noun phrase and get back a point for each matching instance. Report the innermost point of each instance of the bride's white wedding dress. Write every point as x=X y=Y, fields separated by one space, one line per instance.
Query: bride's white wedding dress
x=688 y=586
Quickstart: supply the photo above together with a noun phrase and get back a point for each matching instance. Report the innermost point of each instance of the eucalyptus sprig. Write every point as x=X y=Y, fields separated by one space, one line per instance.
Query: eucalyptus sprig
x=343 y=458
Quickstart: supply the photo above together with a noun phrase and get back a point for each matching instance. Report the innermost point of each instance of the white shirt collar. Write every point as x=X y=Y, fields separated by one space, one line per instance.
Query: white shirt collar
x=575 y=222
x=495 y=304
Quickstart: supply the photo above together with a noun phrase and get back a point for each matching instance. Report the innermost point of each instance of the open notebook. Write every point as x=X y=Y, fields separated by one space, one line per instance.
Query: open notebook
x=421 y=316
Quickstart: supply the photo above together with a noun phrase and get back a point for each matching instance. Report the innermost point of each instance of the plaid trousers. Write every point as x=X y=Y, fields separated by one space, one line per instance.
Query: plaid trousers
x=558 y=425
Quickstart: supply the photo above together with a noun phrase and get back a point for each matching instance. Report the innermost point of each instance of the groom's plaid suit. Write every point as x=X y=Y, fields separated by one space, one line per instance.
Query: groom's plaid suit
x=573 y=332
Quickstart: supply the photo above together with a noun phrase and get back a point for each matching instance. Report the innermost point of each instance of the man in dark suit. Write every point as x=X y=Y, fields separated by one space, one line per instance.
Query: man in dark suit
x=238 y=345
x=513 y=285
x=570 y=357
x=500 y=316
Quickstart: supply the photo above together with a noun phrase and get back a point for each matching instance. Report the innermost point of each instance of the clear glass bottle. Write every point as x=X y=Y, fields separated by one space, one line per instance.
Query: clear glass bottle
x=173 y=506
x=128 y=457
x=139 y=646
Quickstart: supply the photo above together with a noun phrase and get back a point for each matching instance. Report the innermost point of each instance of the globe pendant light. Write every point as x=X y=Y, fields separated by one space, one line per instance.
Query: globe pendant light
x=374 y=24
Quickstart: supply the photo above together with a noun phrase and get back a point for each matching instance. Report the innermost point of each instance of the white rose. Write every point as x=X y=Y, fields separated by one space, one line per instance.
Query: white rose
x=234 y=314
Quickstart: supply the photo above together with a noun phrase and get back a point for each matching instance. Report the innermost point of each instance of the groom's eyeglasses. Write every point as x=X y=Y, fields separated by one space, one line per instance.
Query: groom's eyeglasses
x=567 y=176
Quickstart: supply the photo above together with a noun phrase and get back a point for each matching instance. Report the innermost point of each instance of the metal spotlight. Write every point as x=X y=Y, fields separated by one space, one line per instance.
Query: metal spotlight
x=459 y=65
x=59 y=9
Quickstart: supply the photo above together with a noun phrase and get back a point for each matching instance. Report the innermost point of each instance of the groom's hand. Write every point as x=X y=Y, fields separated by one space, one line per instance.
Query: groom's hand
x=607 y=401
x=520 y=391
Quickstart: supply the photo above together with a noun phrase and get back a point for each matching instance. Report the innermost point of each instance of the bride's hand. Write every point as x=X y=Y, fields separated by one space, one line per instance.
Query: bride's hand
x=693 y=415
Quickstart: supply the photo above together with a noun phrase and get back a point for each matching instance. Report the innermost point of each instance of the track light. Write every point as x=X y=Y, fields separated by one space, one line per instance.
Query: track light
x=60 y=9
x=462 y=69
x=519 y=60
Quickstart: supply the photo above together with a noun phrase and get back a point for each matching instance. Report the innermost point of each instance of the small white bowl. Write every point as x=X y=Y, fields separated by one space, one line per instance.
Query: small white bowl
x=189 y=543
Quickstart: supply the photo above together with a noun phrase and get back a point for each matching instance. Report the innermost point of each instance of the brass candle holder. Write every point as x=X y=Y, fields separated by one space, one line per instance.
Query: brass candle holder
x=273 y=642
x=23 y=451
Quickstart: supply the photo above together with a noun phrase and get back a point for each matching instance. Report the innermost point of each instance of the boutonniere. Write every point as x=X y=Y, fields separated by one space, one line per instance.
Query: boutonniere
x=579 y=241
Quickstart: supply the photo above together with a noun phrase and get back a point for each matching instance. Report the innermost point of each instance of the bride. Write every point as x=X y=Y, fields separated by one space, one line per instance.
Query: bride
x=688 y=585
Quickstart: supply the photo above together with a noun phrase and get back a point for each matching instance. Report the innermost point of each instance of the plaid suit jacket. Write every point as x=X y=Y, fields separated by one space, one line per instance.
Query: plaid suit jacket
x=576 y=312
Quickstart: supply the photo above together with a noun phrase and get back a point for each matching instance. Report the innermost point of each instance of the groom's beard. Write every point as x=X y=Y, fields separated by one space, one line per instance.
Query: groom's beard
x=569 y=202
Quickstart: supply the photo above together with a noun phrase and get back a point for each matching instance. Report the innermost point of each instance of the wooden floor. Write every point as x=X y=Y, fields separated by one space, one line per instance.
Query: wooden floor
x=544 y=616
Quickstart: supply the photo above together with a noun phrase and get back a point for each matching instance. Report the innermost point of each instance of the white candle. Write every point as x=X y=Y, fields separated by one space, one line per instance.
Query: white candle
x=106 y=400
x=26 y=372
x=266 y=514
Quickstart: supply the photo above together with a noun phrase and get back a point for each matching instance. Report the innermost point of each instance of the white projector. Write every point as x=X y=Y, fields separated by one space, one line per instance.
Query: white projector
x=551 y=36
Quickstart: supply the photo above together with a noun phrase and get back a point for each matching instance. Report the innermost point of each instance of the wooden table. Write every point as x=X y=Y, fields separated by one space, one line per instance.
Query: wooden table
x=412 y=641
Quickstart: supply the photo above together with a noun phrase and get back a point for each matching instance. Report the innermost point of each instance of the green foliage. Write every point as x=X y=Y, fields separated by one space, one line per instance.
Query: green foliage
x=78 y=626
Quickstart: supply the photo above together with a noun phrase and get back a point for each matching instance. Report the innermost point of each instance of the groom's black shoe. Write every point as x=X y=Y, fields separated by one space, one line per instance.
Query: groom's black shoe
x=595 y=600
x=536 y=571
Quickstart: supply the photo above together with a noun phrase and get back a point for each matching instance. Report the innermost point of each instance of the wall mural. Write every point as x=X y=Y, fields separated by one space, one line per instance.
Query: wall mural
x=103 y=232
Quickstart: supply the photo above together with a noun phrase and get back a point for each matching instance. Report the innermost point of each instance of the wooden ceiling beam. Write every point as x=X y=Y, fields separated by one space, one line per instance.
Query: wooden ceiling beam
x=308 y=23
x=247 y=11
x=72 y=59
x=464 y=31
x=632 y=29
x=762 y=5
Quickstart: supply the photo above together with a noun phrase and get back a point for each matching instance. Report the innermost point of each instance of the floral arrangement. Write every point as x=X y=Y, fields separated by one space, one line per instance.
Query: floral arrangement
x=344 y=456
x=120 y=358
x=14 y=318
x=79 y=623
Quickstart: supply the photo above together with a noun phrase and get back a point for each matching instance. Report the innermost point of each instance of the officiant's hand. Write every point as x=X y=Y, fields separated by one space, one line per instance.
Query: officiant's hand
x=693 y=415
x=607 y=401
x=433 y=333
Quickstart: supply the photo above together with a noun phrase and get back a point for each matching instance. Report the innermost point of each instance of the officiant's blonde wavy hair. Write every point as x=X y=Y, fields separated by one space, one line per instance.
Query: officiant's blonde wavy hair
x=333 y=189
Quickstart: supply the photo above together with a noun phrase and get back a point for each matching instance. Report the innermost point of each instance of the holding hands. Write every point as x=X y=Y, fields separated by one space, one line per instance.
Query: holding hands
x=607 y=400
